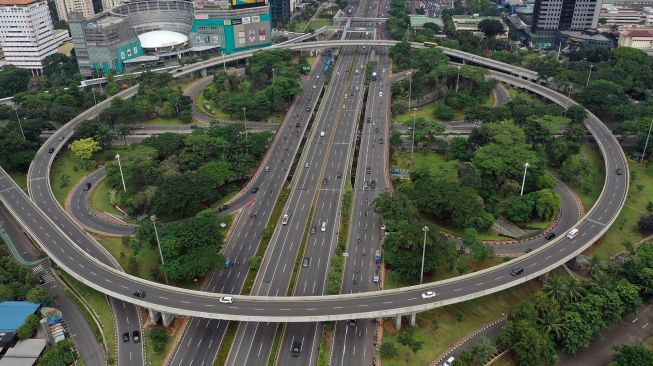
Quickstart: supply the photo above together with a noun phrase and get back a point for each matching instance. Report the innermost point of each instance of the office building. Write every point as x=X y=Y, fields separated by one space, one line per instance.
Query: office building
x=110 y=4
x=65 y=7
x=280 y=11
x=637 y=4
x=27 y=34
x=551 y=16
x=615 y=15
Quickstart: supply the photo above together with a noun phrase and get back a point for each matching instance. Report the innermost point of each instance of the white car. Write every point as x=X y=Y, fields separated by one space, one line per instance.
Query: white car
x=305 y=165
x=428 y=295
x=343 y=106
x=226 y=300
x=449 y=361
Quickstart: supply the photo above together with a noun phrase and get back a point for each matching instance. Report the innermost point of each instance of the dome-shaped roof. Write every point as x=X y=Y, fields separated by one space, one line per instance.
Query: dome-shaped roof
x=161 y=38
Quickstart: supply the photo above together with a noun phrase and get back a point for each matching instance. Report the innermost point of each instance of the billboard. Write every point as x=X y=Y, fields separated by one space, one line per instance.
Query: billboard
x=251 y=34
x=248 y=3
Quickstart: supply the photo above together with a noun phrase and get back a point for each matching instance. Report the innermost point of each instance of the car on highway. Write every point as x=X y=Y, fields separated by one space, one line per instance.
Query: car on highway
x=136 y=336
x=308 y=109
x=368 y=170
x=223 y=208
x=369 y=119
x=572 y=233
x=449 y=361
x=338 y=175
x=322 y=134
x=345 y=96
x=306 y=262
x=284 y=219
x=351 y=94
x=376 y=130
x=380 y=93
x=298 y=124
x=428 y=294
x=381 y=141
x=517 y=271
x=373 y=123
x=325 y=181
x=365 y=185
x=305 y=165
x=267 y=169
x=226 y=300
x=619 y=171
x=255 y=189
x=51 y=150
x=376 y=279
x=140 y=293
x=41 y=280
x=87 y=186
x=296 y=348
x=313 y=229
x=373 y=184
x=323 y=228
x=125 y=337
x=550 y=235
x=314 y=86
x=343 y=106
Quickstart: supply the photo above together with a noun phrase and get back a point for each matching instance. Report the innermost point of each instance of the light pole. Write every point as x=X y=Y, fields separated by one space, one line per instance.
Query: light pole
x=588 y=76
x=156 y=233
x=457 y=78
x=224 y=63
x=19 y=124
x=421 y=276
x=410 y=87
x=523 y=180
x=412 y=145
x=124 y=187
x=245 y=118
x=646 y=143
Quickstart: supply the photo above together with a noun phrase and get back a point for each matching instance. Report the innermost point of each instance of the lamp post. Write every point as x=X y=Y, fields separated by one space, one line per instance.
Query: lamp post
x=523 y=179
x=412 y=145
x=646 y=143
x=245 y=118
x=124 y=187
x=158 y=242
x=410 y=87
x=421 y=276
x=457 y=78
x=20 y=125
x=588 y=76
x=224 y=63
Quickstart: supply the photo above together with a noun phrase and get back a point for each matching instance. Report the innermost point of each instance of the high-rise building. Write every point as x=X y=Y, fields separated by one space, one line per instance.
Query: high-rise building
x=551 y=16
x=280 y=11
x=65 y=7
x=27 y=35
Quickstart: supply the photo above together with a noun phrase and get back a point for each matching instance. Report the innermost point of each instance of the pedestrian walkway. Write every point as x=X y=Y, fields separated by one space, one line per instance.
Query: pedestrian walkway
x=44 y=272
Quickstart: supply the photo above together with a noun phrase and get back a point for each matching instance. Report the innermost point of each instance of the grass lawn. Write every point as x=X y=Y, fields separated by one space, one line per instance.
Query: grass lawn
x=448 y=330
x=624 y=229
x=68 y=166
x=154 y=358
x=426 y=112
x=206 y=106
x=648 y=343
x=518 y=93
x=163 y=121
x=20 y=179
x=100 y=199
x=489 y=101
x=100 y=305
x=443 y=273
x=147 y=259
x=319 y=23
x=437 y=164
x=597 y=176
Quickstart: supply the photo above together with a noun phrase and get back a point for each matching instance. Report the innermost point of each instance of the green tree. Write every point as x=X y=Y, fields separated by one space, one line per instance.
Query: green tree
x=482 y=351
x=491 y=27
x=124 y=130
x=601 y=95
x=575 y=169
x=254 y=262
x=407 y=338
x=159 y=339
x=184 y=193
x=39 y=295
x=13 y=81
x=84 y=149
x=594 y=266
x=388 y=350
x=28 y=328
x=528 y=343
x=547 y=204
x=576 y=332
x=627 y=355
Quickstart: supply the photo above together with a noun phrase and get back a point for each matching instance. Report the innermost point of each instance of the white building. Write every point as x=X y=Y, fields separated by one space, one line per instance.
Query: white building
x=550 y=16
x=110 y=4
x=618 y=15
x=27 y=35
x=647 y=14
x=65 y=7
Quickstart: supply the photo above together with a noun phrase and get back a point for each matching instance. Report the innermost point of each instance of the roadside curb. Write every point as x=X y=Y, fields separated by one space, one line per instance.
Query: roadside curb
x=466 y=339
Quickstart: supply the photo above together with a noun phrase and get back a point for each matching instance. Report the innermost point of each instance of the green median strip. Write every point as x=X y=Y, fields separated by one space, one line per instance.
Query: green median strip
x=298 y=258
x=225 y=346
x=324 y=356
x=276 y=344
x=334 y=279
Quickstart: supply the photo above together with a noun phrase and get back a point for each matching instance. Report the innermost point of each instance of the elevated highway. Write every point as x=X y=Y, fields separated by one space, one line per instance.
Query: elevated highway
x=63 y=244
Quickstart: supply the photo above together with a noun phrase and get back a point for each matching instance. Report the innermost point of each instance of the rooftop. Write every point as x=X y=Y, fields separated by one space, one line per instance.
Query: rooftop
x=161 y=38
x=17 y=2
x=13 y=314
x=637 y=33
x=24 y=353
x=420 y=20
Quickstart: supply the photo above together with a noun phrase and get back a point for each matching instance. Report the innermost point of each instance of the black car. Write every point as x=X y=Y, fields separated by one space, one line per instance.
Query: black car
x=255 y=189
x=369 y=119
x=40 y=280
x=368 y=170
x=87 y=186
x=296 y=348
x=325 y=181
x=140 y=294
x=381 y=141
x=125 y=337
x=136 y=336
x=308 y=109
x=352 y=322
x=297 y=124
x=313 y=229
x=338 y=175
x=223 y=207
x=376 y=130
x=619 y=172
x=517 y=271
x=550 y=235
x=51 y=150
x=373 y=184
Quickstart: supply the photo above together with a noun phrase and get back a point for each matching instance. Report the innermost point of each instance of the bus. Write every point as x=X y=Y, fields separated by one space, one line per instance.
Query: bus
x=430 y=44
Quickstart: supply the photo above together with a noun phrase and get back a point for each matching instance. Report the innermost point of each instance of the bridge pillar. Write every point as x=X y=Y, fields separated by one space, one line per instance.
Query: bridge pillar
x=413 y=320
x=544 y=277
x=398 y=322
x=167 y=318
x=204 y=74
x=154 y=316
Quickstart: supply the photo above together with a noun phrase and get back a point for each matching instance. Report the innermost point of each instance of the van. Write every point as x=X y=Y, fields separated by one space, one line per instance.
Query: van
x=572 y=233
x=323 y=226
x=284 y=220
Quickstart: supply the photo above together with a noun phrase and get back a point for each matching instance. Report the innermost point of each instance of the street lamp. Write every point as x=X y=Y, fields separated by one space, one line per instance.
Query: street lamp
x=156 y=233
x=457 y=78
x=224 y=63
x=523 y=180
x=19 y=124
x=412 y=145
x=646 y=143
x=410 y=87
x=124 y=187
x=588 y=76
x=421 y=276
x=245 y=118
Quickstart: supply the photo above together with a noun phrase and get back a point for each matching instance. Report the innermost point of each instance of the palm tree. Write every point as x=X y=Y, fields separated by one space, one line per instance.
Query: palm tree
x=574 y=289
x=124 y=130
x=551 y=322
x=556 y=289
x=594 y=266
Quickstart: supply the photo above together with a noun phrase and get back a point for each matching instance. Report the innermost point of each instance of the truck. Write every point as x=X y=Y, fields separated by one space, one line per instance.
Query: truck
x=377 y=256
x=374 y=76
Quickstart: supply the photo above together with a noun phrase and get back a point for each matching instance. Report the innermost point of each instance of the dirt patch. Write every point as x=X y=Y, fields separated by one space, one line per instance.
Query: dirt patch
x=424 y=324
x=389 y=326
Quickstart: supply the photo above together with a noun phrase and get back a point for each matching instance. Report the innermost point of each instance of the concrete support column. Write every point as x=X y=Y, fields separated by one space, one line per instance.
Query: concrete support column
x=167 y=319
x=154 y=316
x=413 y=320
x=544 y=277
x=398 y=322
x=204 y=74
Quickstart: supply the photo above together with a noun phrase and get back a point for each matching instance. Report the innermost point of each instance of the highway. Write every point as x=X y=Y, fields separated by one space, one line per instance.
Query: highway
x=46 y=230
x=202 y=337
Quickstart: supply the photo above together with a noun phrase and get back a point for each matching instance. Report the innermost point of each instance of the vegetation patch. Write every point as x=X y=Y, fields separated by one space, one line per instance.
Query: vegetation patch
x=102 y=197
x=157 y=344
x=326 y=342
x=225 y=345
x=66 y=171
x=276 y=344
